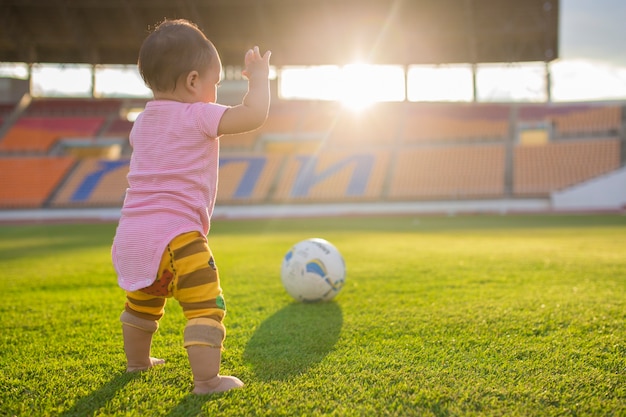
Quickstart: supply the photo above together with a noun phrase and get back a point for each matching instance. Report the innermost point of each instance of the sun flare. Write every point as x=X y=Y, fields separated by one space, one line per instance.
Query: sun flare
x=356 y=86
x=355 y=93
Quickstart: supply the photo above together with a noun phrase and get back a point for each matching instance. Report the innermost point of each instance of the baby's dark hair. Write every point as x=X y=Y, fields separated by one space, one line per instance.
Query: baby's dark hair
x=174 y=48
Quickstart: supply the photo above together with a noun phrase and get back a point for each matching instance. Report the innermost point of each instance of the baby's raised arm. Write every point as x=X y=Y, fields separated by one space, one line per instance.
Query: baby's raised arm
x=252 y=112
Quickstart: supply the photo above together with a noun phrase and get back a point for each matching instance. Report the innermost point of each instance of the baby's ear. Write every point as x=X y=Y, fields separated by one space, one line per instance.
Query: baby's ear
x=192 y=79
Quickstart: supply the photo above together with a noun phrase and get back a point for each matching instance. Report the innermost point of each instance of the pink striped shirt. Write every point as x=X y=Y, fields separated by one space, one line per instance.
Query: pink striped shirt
x=172 y=185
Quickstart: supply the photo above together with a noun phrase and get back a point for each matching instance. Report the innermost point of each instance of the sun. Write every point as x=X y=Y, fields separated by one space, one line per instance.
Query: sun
x=356 y=86
x=364 y=84
x=355 y=93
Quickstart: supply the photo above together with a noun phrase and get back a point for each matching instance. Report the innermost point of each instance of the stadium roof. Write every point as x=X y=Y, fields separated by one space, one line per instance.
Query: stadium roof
x=298 y=32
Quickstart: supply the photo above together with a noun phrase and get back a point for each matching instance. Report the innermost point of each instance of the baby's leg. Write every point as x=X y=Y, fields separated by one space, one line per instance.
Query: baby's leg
x=140 y=320
x=203 y=341
x=200 y=295
x=138 y=341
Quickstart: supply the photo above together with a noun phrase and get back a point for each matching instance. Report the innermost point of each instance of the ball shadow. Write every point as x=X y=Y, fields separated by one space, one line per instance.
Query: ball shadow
x=294 y=339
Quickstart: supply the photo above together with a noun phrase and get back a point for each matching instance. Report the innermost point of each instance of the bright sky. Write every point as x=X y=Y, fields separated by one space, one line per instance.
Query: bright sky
x=592 y=66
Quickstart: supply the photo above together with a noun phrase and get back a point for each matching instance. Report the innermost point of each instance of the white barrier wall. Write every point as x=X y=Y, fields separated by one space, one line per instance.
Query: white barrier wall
x=607 y=192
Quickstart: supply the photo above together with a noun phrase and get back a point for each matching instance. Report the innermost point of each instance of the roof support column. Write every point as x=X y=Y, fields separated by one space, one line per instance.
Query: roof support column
x=474 y=83
x=548 y=76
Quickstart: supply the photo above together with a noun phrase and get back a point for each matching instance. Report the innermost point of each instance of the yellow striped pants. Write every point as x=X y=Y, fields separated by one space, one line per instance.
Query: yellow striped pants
x=187 y=273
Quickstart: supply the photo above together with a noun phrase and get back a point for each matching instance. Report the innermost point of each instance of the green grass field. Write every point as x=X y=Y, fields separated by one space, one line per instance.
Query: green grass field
x=440 y=316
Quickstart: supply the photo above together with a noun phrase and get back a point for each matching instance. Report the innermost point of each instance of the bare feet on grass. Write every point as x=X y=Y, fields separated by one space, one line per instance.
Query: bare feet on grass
x=135 y=367
x=217 y=384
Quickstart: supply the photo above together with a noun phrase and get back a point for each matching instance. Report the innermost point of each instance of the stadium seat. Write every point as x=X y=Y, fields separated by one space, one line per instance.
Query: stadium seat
x=27 y=182
x=317 y=152
x=376 y=126
x=602 y=120
x=95 y=182
x=247 y=177
x=333 y=176
x=539 y=170
x=450 y=172
x=118 y=128
x=39 y=134
x=442 y=123
x=73 y=107
x=240 y=142
x=318 y=118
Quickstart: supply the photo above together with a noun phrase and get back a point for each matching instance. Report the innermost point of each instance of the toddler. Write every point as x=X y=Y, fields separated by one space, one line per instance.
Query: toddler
x=160 y=248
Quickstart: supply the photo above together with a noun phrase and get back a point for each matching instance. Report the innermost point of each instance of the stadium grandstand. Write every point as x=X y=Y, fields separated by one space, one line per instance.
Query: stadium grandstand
x=316 y=156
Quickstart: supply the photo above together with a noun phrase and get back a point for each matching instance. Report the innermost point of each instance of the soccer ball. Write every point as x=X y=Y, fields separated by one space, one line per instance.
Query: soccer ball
x=313 y=270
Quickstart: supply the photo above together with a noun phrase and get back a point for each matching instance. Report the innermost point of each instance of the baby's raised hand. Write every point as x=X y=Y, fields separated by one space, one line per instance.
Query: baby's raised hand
x=256 y=65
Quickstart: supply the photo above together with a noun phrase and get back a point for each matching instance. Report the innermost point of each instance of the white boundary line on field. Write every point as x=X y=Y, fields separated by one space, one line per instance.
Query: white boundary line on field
x=499 y=206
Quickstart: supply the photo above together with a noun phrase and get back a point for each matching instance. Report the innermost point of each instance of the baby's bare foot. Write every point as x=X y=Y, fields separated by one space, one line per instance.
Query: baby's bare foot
x=145 y=366
x=219 y=383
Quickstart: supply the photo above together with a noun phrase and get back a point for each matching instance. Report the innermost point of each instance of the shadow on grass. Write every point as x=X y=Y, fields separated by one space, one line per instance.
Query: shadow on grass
x=294 y=339
x=89 y=405
x=192 y=404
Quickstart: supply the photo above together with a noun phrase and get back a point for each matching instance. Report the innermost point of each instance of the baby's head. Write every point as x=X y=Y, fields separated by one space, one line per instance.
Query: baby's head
x=173 y=50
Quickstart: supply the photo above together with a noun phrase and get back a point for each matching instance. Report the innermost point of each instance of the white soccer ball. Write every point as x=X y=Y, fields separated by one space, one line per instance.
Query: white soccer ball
x=313 y=270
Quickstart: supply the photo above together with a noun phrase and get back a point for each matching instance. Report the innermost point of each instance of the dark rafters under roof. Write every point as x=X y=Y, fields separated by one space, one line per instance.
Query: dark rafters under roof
x=298 y=32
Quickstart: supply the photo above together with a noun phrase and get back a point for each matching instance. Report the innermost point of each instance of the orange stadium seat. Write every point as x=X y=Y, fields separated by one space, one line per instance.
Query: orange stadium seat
x=244 y=178
x=247 y=177
x=376 y=126
x=27 y=182
x=94 y=182
x=281 y=122
x=440 y=129
x=316 y=152
x=539 y=170
x=333 y=176
x=452 y=122
x=240 y=142
x=605 y=120
x=451 y=172
x=318 y=119
x=72 y=107
x=118 y=127
x=290 y=146
x=38 y=134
